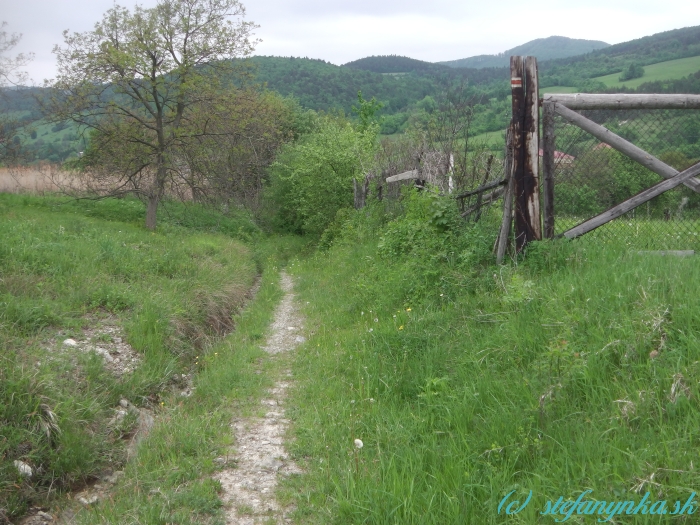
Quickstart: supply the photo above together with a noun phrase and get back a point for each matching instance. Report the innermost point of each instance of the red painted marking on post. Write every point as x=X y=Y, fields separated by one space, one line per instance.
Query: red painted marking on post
x=516 y=82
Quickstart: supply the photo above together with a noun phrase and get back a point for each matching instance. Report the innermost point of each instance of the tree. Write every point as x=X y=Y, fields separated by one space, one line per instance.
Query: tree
x=313 y=178
x=10 y=68
x=228 y=165
x=632 y=71
x=10 y=74
x=136 y=81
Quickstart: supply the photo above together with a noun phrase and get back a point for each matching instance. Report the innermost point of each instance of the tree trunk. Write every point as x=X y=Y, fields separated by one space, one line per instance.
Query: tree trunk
x=151 y=210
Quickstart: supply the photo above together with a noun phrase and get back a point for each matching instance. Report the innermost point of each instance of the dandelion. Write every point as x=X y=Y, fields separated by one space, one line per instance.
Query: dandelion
x=376 y=320
x=362 y=313
x=359 y=443
x=401 y=327
x=371 y=330
x=442 y=295
x=408 y=309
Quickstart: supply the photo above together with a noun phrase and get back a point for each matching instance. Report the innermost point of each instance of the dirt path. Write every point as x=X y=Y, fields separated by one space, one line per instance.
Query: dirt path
x=259 y=455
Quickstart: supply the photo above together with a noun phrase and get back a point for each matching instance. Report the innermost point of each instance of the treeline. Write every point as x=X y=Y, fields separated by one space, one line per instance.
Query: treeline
x=320 y=85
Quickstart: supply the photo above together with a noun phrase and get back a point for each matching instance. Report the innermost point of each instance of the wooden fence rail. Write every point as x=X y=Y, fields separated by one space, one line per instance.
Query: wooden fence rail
x=565 y=104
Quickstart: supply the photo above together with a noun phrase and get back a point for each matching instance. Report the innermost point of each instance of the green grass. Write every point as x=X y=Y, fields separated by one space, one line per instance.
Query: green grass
x=170 y=479
x=669 y=70
x=575 y=369
x=641 y=233
x=492 y=139
x=66 y=266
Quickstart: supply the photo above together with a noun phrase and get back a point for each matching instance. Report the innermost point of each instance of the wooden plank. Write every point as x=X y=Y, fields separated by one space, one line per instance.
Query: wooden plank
x=620 y=101
x=486 y=199
x=632 y=202
x=479 y=198
x=548 y=148
x=532 y=148
x=481 y=189
x=504 y=233
x=615 y=141
x=406 y=175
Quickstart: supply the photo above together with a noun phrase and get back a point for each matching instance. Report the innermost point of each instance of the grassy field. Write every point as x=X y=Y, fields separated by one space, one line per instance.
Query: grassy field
x=669 y=70
x=574 y=369
x=492 y=139
x=89 y=272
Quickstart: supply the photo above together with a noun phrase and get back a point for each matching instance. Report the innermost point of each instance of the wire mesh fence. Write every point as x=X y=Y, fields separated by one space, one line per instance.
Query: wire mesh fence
x=590 y=177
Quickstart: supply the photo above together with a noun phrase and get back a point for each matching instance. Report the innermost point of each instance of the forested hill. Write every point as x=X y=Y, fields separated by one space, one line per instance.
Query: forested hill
x=669 y=45
x=549 y=48
x=395 y=64
x=323 y=86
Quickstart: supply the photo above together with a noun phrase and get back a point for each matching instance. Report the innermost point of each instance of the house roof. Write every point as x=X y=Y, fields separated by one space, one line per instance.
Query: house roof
x=560 y=156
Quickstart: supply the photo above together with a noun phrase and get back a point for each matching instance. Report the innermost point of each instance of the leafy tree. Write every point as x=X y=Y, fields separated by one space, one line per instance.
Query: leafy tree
x=313 y=178
x=632 y=71
x=367 y=111
x=10 y=67
x=136 y=79
x=228 y=165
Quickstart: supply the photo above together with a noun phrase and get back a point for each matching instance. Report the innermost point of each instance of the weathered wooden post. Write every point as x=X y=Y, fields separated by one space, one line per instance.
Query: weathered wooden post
x=504 y=233
x=548 y=148
x=525 y=104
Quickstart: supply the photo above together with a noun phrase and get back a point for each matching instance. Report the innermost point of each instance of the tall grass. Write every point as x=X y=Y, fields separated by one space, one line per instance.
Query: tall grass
x=574 y=369
x=66 y=266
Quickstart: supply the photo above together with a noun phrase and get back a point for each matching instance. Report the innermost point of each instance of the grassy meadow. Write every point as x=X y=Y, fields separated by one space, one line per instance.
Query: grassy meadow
x=70 y=268
x=668 y=70
x=575 y=368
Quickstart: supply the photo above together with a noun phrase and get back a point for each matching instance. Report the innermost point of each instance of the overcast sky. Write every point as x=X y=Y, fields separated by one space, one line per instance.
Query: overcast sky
x=344 y=30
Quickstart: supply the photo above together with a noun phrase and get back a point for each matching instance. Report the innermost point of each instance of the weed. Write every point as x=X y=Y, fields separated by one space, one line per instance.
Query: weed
x=574 y=369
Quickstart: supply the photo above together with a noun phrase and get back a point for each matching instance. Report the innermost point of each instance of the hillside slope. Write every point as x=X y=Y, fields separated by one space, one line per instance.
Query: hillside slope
x=543 y=48
x=660 y=47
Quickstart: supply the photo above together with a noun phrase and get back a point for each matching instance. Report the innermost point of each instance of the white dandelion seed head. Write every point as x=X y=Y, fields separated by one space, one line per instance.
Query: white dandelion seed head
x=359 y=443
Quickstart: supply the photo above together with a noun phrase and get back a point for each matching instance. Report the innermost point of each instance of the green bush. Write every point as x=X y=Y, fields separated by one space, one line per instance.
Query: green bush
x=313 y=178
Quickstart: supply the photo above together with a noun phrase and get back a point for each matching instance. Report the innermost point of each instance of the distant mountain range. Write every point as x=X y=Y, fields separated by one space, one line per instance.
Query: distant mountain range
x=543 y=48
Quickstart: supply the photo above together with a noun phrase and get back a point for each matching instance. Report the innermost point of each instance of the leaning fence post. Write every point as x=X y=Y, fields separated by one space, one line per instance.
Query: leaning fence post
x=504 y=234
x=548 y=148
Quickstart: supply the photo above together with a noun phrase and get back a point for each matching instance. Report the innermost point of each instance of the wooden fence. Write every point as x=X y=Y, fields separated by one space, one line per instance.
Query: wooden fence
x=526 y=190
